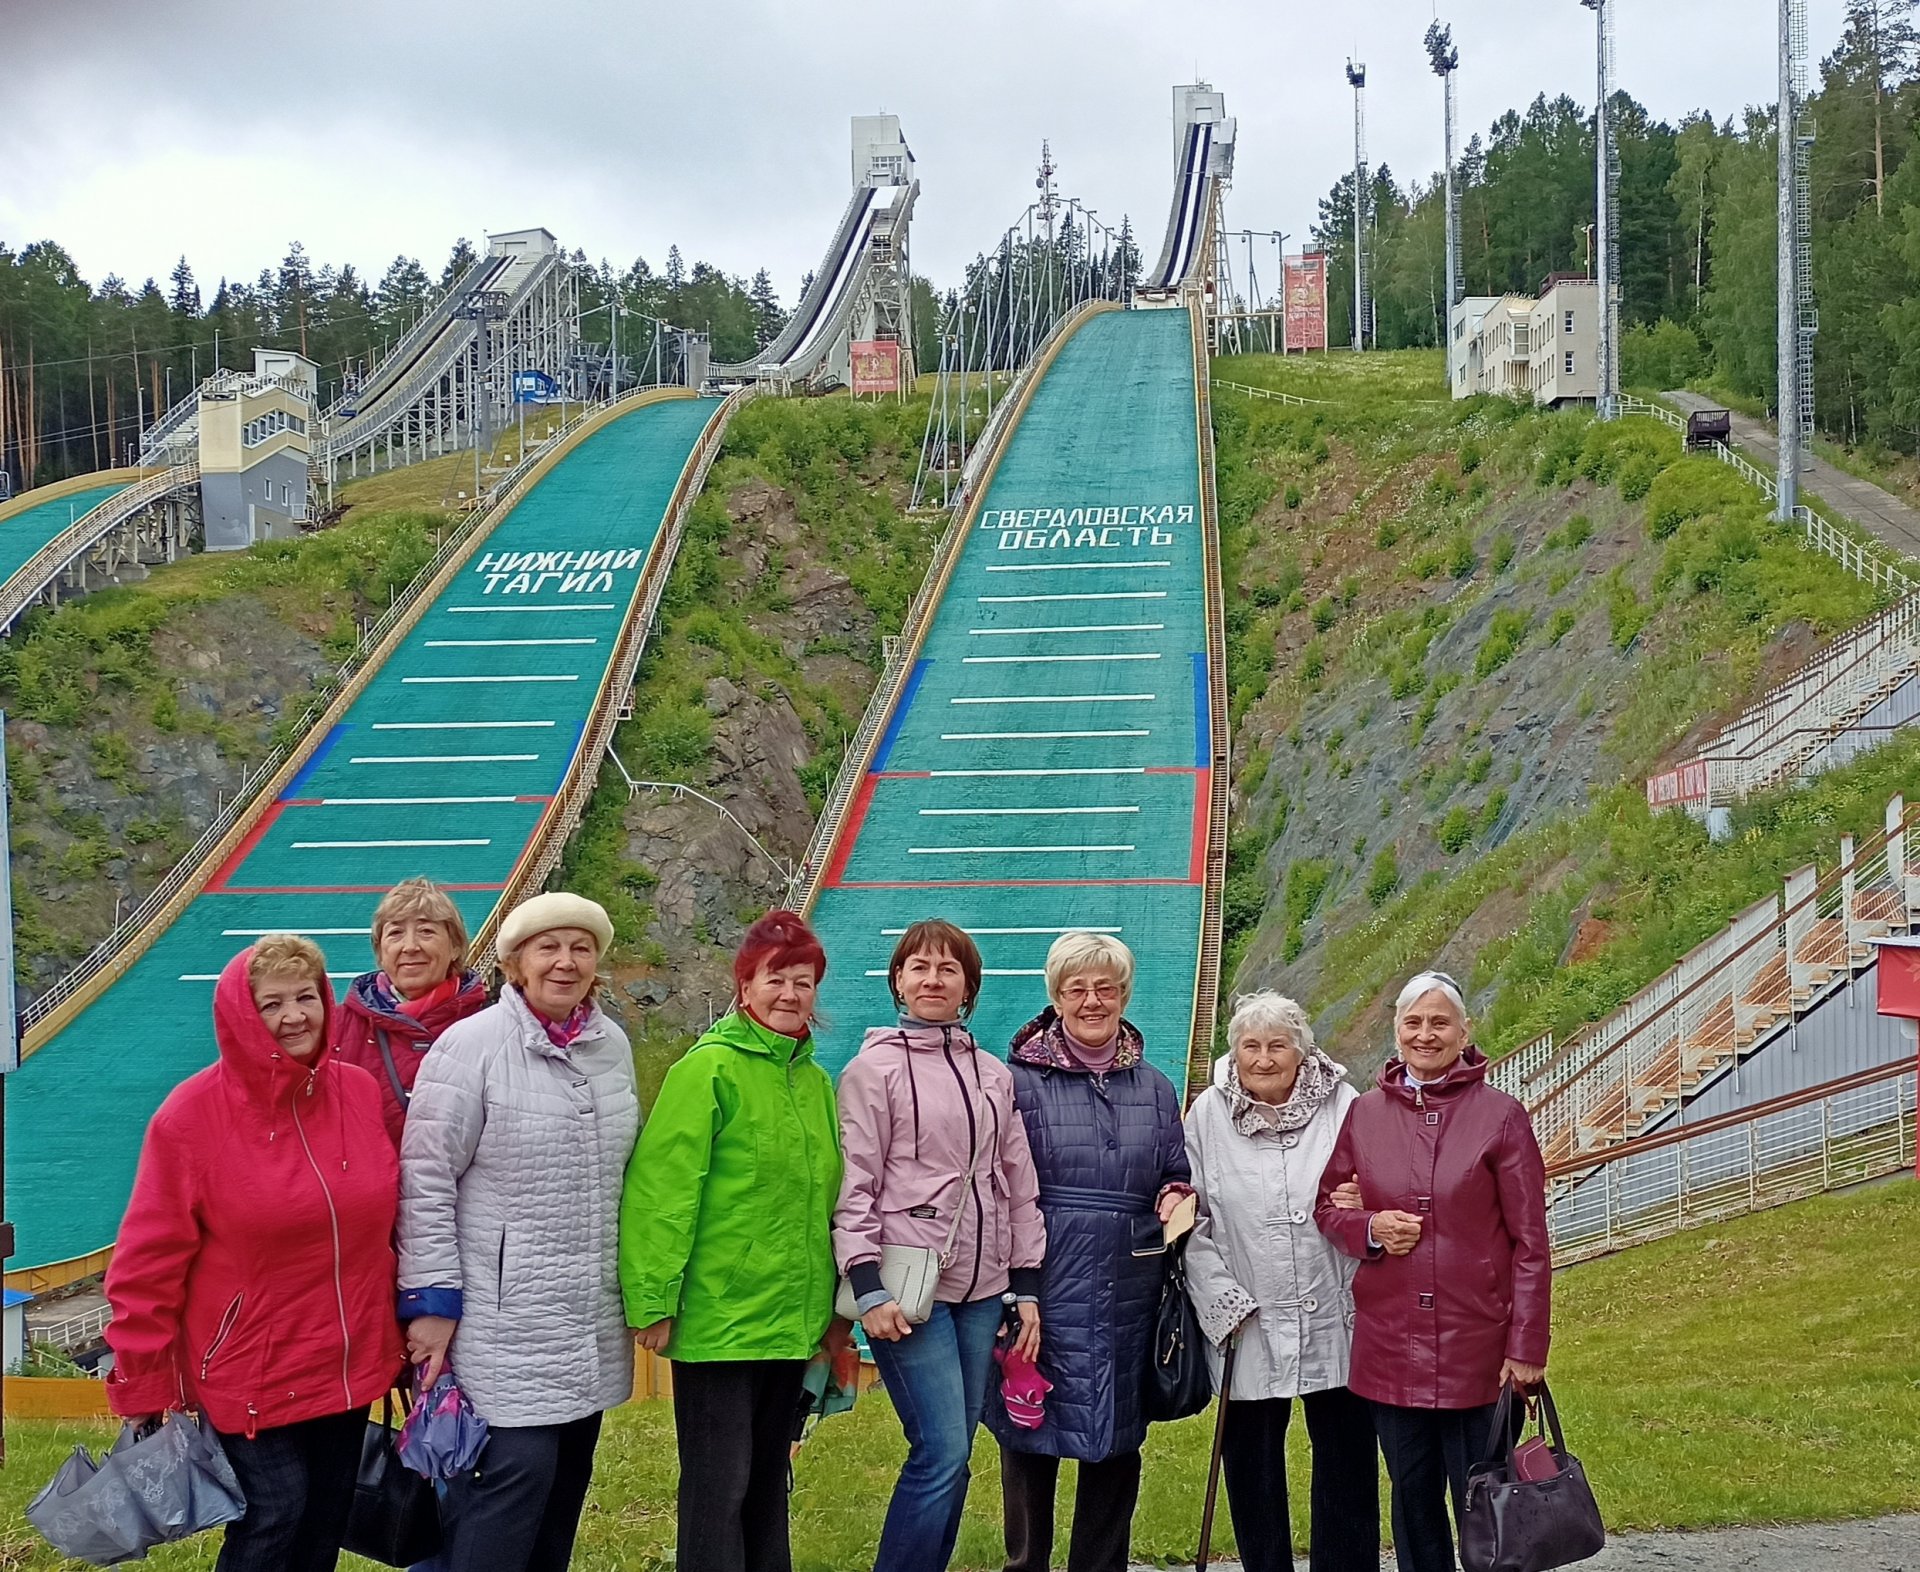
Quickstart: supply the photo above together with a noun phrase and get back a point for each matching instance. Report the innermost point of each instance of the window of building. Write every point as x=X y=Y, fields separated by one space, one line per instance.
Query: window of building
x=1569 y=323
x=1569 y=362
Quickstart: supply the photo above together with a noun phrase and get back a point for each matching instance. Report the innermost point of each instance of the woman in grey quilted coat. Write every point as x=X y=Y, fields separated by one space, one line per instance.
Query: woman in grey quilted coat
x=517 y=1138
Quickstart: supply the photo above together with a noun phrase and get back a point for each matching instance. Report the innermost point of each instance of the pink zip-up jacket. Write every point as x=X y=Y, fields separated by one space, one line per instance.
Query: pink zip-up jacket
x=913 y=1104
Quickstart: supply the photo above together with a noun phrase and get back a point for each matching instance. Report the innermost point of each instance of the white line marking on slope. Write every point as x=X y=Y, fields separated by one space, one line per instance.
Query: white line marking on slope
x=1050 y=660
x=215 y=976
x=458 y=725
x=991 y=971
x=1003 y=851
x=1061 y=698
x=566 y=677
x=895 y=933
x=397 y=802
x=254 y=933
x=443 y=758
x=1075 y=567
x=997 y=736
x=345 y=845
x=591 y=605
x=1082 y=627
x=1021 y=600
x=1024 y=813
x=1099 y=769
x=494 y=644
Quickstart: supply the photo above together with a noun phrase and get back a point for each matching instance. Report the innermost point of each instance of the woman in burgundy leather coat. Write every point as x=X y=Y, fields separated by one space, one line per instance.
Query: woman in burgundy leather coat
x=1452 y=1297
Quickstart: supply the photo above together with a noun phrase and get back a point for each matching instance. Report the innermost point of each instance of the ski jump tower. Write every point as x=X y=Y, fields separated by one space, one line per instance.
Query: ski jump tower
x=859 y=293
x=1203 y=137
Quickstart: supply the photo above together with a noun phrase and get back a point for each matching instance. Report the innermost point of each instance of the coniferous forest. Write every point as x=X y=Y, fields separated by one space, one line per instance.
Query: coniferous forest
x=84 y=365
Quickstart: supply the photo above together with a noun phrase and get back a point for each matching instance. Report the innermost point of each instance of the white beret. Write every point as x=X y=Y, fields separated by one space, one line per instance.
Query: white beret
x=555 y=909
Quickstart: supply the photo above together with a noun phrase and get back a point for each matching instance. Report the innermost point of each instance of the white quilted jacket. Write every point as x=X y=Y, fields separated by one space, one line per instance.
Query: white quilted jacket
x=510 y=1175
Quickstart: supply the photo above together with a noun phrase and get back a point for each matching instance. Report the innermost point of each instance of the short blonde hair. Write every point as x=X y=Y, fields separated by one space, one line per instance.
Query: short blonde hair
x=1264 y=1010
x=421 y=898
x=286 y=954
x=1080 y=951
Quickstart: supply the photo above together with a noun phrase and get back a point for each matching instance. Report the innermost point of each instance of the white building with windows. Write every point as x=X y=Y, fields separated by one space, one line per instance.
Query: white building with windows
x=1544 y=348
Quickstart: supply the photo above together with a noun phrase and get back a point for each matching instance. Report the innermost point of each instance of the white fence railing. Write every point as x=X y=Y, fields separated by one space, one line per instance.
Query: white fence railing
x=1773 y=961
x=129 y=935
x=74 y=1331
x=1267 y=393
x=1845 y=1132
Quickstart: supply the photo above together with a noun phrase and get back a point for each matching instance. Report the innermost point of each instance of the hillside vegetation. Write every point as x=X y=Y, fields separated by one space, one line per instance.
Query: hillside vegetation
x=1467 y=633
x=798 y=557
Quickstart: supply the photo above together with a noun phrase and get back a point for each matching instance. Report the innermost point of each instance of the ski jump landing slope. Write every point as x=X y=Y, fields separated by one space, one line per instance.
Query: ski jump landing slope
x=1046 y=761
x=446 y=763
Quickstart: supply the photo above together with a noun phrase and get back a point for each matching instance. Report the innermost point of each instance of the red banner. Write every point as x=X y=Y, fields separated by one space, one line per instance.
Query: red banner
x=1304 y=282
x=1679 y=788
x=876 y=366
x=1899 y=973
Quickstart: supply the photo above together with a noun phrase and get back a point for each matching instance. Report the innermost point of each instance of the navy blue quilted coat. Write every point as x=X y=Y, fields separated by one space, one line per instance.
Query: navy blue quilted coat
x=1104 y=1146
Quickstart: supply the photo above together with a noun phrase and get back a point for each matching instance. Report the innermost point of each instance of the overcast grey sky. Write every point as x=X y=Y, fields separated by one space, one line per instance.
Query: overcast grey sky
x=138 y=130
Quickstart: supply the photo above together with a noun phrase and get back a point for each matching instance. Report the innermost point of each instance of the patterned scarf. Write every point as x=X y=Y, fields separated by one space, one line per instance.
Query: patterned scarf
x=1313 y=1084
x=388 y=997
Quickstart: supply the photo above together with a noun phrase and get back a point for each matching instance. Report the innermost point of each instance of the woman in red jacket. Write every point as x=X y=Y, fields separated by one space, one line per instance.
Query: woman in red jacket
x=391 y=1015
x=1452 y=1297
x=253 y=1280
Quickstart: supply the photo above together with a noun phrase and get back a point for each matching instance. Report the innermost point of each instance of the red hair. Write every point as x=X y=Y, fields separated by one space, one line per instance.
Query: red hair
x=778 y=939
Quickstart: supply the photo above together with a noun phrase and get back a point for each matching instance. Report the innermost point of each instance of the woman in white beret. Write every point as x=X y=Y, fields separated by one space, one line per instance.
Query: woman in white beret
x=517 y=1138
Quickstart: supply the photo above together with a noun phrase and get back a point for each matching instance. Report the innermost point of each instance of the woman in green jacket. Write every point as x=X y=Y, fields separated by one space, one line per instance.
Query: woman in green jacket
x=726 y=1252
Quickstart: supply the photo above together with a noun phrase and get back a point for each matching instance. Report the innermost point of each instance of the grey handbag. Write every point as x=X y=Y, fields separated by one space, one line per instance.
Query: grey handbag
x=144 y=1491
x=911 y=1272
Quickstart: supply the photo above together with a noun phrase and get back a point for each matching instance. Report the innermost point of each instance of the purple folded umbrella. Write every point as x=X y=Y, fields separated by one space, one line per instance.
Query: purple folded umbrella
x=443 y=1435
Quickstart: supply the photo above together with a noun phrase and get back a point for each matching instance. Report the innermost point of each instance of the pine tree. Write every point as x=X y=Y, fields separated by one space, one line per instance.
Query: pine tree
x=185 y=299
x=768 y=318
x=676 y=269
x=1879 y=45
x=462 y=257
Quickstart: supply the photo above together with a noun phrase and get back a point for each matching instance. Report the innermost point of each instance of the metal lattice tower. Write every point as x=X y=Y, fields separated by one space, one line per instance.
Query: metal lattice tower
x=1446 y=60
x=1606 y=159
x=1362 y=194
x=1806 y=313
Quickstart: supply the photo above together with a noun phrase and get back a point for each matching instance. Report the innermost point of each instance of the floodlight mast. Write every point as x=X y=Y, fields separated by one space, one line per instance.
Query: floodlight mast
x=1446 y=60
x=1362 y=306
x=1606 y=158
x=1797 y=320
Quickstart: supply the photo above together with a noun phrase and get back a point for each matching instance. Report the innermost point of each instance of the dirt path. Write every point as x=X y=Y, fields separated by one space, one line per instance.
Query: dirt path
x=1880 y=1544
x=1874 y=509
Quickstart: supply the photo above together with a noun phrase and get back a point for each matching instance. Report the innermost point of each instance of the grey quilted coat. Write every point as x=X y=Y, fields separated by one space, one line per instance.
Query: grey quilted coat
x=510 y=1176
x=1255 y=1250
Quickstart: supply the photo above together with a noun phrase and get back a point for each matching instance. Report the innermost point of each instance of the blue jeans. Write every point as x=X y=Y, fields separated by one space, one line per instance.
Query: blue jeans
x=937 y=1377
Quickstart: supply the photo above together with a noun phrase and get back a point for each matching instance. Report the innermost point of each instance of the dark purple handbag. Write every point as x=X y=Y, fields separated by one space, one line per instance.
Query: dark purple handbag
x=1516 y=1524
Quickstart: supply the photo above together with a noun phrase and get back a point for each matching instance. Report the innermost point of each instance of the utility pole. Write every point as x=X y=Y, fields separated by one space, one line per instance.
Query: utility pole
x=1606 y=159
x=1446 y=60
x=1362 y=314
x=1796 y=321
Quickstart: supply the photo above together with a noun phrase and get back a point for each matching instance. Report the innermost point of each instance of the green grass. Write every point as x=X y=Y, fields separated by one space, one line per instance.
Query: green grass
x=1756 y=1372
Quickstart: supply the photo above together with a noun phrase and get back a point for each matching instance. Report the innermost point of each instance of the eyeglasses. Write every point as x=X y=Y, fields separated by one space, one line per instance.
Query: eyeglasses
x=1079 y=993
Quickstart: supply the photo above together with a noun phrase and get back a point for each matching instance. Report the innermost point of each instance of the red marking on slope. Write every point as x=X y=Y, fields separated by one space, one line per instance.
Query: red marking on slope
x=329 y=889
x=903 y=775
x=1202 y=803
x=251 y=839
x=850 y=831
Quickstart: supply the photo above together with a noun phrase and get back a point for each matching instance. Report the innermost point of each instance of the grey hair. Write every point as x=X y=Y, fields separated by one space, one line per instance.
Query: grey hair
x=1423 y=983
x=1264 y=1010
x=1080 y=951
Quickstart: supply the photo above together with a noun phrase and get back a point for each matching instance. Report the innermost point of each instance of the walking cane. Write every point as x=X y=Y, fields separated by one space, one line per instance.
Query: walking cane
x=1213 y=1464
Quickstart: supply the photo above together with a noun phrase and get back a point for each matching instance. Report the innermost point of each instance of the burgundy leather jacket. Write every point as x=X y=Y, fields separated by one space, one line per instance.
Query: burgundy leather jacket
x=1432 y=1327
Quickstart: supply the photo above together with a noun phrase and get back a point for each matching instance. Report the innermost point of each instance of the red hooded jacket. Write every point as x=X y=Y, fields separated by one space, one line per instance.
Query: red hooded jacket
x=1432 y=1327
x=254 y=1275
x=357 y=1025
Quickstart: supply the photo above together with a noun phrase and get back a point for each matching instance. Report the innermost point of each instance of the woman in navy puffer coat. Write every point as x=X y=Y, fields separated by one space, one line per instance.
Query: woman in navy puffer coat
x=1111 y=1155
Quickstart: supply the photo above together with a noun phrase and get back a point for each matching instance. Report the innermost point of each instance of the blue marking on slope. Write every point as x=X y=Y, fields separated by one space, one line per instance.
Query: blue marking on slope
x=901 y=705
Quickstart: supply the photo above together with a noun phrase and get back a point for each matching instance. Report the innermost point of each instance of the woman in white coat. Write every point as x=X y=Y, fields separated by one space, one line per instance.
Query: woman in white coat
x=1259 y=1270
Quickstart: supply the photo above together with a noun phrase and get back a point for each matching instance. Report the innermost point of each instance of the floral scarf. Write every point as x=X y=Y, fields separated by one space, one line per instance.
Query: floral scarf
x=1313 y=1084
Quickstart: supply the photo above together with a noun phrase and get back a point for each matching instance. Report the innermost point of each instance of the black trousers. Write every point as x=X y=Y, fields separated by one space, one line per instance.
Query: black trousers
x=519 y=1509
x=1345 y=1488
x=1428 y=1452
x=298 y=1481
x=1102 y=1511
x=733 y=1420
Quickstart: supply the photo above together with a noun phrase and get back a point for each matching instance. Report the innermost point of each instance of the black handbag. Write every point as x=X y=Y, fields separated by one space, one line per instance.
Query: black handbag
x=396 y=1515
x=1177 y=1382
x=1518 y=1524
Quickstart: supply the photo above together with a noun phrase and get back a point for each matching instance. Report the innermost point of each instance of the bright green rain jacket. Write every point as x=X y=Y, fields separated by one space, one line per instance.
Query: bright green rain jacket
x=726 y=1217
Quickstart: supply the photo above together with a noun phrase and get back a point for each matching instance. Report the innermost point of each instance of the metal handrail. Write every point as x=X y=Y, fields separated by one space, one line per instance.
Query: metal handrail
x=897 y=657
x=41 y=1019
x=418 y=331
x=31 y=578
x=549 y=841
x=1254 y=392
x=1206 y=993
x=1612 y=1059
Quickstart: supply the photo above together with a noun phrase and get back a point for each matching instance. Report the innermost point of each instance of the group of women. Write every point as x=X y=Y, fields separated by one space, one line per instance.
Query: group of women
x=419 y=1174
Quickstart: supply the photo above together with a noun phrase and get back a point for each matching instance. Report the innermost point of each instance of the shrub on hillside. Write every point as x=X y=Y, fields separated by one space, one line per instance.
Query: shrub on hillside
x=1456 y=829
x=1504 y=634
x=1384 y=877
x=1662 y=355
x=1693 y=487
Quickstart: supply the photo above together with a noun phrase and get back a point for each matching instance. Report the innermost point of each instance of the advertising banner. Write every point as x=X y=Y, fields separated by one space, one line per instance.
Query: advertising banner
x=1685 y=787
x=876 y=366
x=1305 y=286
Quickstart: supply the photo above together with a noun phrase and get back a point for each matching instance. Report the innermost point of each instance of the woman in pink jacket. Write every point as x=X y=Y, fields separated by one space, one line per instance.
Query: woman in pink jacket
x=936 y=1157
